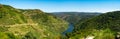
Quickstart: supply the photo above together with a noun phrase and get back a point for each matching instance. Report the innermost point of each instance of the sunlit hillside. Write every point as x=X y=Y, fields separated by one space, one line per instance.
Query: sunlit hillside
x=29 y=24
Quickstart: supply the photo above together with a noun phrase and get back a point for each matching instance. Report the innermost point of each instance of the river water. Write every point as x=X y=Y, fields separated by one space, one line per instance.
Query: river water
x=70 y=29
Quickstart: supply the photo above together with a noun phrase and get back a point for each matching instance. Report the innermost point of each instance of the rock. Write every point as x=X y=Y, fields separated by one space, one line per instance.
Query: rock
x=117 y=37
x=89 y=37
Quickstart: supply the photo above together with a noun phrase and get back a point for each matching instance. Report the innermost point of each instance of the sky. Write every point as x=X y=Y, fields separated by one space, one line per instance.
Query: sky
x=65 y=5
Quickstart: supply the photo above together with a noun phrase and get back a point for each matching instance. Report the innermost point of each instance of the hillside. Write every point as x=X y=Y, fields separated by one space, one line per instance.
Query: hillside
x=10 y=15
x=74 y=17
x=104 y=26
x=29 y=24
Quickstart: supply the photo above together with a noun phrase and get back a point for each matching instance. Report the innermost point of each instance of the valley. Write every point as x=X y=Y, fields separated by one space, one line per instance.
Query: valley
x=37 y=24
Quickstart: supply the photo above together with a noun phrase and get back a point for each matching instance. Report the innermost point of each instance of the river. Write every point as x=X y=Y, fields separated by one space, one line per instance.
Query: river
x=70 y=29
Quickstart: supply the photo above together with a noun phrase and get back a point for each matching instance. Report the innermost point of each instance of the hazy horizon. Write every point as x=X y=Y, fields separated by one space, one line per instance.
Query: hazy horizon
x=66 y=5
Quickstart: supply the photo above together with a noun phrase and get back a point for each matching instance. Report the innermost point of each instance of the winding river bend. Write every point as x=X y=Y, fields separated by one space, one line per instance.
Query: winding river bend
x=70 y=29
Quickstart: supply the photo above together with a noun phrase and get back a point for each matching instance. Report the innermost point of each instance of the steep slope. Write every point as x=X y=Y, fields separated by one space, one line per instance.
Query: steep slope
x=74 y=17
x=50 y=23
x=29 y=24
x=10 y=15
x=105 y=26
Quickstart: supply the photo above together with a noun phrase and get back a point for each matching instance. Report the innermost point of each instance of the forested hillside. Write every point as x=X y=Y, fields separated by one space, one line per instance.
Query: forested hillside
x=36 y=24
x=74 y=17
x=104 y=26
x=29 y=24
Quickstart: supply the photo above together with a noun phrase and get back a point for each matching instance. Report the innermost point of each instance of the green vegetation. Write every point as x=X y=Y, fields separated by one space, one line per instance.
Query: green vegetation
x=10 y=15
x=74 y=17
x=105 y=26
x=29 y=24
x=36 y=24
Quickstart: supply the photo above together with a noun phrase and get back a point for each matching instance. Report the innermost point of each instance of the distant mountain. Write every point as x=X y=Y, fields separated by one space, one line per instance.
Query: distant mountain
x=104 y=26
x=74 y=17
x=29 y=24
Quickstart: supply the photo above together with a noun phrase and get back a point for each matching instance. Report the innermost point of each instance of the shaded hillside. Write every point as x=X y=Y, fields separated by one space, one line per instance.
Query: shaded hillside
x=74 y=17
x=105 y=26
x=29 y=24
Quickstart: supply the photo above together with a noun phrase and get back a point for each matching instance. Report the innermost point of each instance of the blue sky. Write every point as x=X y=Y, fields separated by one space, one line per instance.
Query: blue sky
x=66 y=5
